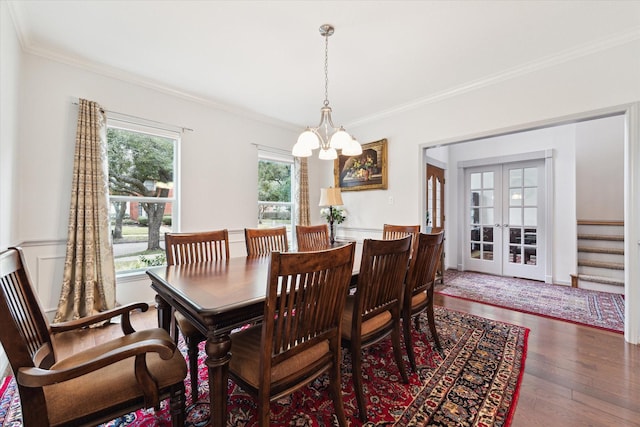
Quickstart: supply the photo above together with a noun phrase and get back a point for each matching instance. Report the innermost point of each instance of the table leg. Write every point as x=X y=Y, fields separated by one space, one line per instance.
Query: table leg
x=217 y=349
x=164 y=313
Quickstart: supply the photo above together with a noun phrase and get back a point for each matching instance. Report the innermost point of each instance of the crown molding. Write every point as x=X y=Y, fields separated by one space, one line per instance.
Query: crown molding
x=114 y=73
x=567 y=55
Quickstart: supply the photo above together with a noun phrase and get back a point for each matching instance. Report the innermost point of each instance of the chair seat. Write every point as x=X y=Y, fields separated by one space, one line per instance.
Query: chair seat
x=111 y=385
x=186 y=327
x=368 y=326
x=418 y=299
x=245 y=347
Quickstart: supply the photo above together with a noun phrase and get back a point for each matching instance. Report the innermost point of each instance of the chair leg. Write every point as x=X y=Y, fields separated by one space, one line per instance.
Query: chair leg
x=408 y=341
x=336 y=394
x=356 y=357
x=192 y=353
x=263 y=408
x=177 y=405
x=397 y=351
x=432 y=325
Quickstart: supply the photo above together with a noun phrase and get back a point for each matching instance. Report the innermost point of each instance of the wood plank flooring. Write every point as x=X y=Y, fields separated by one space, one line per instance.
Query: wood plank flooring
x=574 y=375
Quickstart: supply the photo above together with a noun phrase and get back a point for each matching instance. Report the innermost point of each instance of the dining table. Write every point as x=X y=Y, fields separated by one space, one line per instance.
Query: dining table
x=218 y=297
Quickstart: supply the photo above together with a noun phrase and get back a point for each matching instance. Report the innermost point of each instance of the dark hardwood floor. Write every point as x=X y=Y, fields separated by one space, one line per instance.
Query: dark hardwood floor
x=574 y=375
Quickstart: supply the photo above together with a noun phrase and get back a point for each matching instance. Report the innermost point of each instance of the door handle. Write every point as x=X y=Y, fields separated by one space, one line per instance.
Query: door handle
x=506 y=225
x=497 y=225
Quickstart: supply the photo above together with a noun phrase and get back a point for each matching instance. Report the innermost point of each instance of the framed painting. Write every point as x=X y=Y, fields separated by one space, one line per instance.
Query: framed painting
x=367 y=171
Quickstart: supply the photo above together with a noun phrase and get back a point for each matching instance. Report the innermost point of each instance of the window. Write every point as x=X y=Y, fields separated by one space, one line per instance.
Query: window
x=275 y=189
x=142 y=192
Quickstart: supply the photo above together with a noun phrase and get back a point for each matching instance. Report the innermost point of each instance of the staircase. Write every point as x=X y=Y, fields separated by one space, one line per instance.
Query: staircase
x=600 y=256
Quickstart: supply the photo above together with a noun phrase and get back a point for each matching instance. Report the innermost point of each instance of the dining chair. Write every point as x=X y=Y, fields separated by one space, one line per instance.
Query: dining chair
x=391 y=231
x=262 y=241
x=312 y=237
x=373 y=312
x=90 y=387
x=188 y=248
x=299 y=339
x=418 y=292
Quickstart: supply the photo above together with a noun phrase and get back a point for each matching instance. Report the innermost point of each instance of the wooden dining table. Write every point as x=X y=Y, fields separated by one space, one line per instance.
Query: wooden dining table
x=217 y=297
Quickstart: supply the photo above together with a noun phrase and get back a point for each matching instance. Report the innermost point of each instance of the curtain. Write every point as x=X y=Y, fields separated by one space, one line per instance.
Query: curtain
x=302 y=195
x=88 y=284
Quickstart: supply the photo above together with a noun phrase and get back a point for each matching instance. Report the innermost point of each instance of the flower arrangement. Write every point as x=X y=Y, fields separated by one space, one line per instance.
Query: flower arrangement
x=339 y=214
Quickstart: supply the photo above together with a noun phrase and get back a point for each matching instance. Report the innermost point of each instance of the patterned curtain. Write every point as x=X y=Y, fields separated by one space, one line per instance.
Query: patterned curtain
x=302 y=195
x=88 y=285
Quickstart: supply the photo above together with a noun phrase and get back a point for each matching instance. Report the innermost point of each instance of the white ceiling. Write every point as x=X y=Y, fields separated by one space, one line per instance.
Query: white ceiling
x=266 y=57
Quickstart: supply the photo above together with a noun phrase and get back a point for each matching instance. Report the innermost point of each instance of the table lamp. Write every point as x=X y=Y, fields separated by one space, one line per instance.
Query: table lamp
x=330 y=197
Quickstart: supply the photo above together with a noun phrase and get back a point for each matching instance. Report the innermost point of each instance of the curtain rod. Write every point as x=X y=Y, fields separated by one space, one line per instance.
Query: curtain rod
x=183 y=128
x=274 y=150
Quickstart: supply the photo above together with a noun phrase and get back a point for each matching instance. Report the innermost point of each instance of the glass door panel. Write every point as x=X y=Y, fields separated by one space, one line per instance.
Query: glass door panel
x=505 y=219
x=484 y=237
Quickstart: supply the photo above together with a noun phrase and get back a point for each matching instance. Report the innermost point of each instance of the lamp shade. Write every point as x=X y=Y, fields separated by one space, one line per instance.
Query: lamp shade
x=330 y=197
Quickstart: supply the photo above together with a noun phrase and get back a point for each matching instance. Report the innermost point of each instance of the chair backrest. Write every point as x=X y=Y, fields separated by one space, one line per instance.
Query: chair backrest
x=381 y=278
x=423 y=265
x=25 y=333
x=390 y=232
x=312 y=237
x=263 y=241
x=187 y=248
x=306 y=292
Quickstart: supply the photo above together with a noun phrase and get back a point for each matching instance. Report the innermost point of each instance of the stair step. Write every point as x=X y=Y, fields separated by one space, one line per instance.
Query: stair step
x=591 y=249
x=615 y=238
x=600 y=264
x=600 y=279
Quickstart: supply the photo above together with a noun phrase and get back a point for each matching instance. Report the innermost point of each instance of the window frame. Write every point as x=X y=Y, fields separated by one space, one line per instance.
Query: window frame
x=126 y=123
x=281 y=156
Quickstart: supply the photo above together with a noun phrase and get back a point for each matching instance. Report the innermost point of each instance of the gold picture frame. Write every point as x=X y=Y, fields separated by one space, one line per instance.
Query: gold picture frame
x=367 y=171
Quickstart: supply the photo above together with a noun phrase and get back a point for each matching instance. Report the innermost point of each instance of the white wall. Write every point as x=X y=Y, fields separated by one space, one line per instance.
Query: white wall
x=588 y=83
x=218 y=163
x=9 y=93
x=600 y=169
x=9 y=90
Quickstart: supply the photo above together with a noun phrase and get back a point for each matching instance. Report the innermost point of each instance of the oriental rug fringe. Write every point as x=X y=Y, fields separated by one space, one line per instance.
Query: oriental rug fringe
x=601 y=310
x=473 y=381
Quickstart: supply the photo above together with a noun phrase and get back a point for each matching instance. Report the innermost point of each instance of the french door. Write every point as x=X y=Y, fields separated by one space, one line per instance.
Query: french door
x=506 y=219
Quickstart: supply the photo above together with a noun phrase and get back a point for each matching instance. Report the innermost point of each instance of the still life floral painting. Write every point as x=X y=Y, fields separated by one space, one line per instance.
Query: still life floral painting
x=367 y=171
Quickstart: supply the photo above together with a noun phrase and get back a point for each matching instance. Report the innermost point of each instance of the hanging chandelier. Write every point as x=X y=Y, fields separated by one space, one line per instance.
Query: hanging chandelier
x=326 y=136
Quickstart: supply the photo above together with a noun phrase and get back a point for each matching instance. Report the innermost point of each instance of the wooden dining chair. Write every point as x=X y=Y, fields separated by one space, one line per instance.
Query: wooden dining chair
x=391 y=231
x=263 y=241
x=188 y=248
x=90 y=387
x=418 y=292
x=312 y=237
x=373 y=312
x=299 y=339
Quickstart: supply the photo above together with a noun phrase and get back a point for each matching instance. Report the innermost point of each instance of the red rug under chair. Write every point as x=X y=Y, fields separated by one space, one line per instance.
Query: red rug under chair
x=473 y=381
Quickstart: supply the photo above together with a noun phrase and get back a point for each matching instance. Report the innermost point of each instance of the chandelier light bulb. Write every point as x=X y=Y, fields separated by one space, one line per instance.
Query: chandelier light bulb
x=328 y=154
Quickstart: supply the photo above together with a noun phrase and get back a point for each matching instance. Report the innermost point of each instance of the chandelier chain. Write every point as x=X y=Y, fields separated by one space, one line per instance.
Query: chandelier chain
x=326 y=70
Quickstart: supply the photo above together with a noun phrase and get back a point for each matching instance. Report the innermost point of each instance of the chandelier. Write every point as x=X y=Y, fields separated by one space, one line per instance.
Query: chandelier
x=326 y=136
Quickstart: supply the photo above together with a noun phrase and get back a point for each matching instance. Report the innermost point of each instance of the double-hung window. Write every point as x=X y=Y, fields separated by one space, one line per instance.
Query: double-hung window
x=142 y=192
x=275 y=191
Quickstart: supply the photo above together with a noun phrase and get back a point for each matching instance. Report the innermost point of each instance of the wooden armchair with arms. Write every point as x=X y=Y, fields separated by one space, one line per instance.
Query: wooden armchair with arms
x=188 y=248
x=262 y=241
x=312 y=237
x=390 y=231
x=418 y=293
x=374 y=311
x=90 y=387
x=300 y=337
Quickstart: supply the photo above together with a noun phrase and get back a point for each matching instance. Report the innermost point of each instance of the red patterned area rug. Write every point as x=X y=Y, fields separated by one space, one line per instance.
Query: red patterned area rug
x=601 y=310
x=473 y=381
